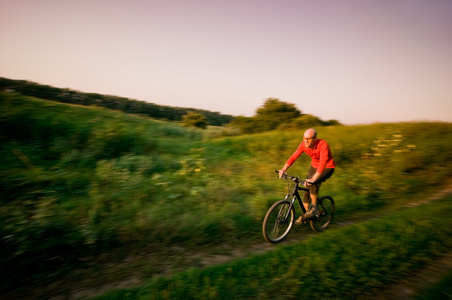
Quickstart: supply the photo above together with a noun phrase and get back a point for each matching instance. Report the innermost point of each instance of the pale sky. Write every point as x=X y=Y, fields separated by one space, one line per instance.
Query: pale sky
x=356 y=61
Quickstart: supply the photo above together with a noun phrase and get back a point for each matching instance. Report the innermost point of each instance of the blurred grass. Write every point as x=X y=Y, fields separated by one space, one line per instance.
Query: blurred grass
x=347 y=263
x=79 y=181
x=440 y=290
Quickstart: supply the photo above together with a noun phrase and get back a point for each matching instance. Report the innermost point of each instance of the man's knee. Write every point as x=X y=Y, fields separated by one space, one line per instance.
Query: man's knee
x=313 y=189
x=327 y=173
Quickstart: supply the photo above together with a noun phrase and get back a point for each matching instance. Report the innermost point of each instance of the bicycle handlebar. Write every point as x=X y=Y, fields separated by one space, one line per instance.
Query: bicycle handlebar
x=293 y=178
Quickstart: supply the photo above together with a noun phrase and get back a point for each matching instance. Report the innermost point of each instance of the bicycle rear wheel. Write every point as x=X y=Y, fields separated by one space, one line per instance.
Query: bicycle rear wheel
x=326 y=212
x=278 y=221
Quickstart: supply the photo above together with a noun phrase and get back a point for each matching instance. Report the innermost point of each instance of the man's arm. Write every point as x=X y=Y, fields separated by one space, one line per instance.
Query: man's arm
x=291 y=160
x=323 y=160
x=314 y=178
x=283 y=170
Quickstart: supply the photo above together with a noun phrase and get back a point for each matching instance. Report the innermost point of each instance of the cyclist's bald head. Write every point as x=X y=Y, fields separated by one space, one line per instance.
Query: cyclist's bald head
x=310 y=134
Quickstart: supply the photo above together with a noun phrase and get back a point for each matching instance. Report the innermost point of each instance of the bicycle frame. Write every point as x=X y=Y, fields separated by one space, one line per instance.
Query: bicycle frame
x=295 y=195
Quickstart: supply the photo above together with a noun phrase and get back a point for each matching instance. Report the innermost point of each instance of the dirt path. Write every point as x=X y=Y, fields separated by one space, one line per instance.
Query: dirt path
x=407 y=288
x=133 y=274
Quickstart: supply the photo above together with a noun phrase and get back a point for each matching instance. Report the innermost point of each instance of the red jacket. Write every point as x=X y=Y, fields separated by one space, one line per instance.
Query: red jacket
x=320 y=154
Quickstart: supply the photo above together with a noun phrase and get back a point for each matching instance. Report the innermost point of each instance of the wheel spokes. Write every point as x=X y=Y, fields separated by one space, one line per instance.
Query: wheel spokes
x=280 y=222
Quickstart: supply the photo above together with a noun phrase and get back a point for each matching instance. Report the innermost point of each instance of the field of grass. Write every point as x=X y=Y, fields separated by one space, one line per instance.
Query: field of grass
x=347 y=263
x=80 y=182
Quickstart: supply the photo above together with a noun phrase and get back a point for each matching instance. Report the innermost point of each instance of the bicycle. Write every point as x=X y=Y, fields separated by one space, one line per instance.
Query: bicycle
x=280 y=217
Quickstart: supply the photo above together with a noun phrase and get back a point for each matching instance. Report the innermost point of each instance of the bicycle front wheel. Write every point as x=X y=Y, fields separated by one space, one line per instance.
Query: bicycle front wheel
x=278 y=221
x=326 y=211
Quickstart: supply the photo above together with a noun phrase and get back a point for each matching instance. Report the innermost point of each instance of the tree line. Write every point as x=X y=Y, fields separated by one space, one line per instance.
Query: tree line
x=273 y=114
x=111 y=102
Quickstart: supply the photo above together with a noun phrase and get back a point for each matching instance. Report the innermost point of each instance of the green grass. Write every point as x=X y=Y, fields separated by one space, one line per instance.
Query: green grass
x=78 y=181
x=440 y=290
x=341 y=264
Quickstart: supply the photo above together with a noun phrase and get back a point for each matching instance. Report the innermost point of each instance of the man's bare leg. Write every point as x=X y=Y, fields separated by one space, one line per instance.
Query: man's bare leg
x=313 y=211
x=302 y=217
x=314 y=200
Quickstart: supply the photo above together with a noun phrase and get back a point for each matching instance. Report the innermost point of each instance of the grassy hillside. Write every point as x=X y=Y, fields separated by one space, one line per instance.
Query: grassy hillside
x=127 y=105
x=83 y=181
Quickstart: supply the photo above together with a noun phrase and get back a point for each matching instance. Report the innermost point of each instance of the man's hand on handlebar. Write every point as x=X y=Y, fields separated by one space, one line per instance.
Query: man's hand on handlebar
x=282 y=173
x=309 y=182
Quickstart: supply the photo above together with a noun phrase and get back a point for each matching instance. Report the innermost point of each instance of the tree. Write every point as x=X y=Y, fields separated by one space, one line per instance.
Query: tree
x=269 y=116
x=274 y=113
x=245 y=124
x=307 y=121
x=331 y=123
x=192 y=119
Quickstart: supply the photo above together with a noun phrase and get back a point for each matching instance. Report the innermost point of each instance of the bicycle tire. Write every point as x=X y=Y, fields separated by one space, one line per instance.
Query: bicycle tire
x=274 y=228
x=326 y=209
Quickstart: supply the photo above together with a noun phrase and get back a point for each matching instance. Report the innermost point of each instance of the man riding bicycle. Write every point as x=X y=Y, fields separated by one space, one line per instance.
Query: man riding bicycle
x=322 y=167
